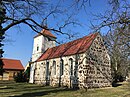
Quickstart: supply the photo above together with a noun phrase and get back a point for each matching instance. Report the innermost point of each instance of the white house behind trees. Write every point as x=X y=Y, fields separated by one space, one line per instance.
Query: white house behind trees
x=82 y=63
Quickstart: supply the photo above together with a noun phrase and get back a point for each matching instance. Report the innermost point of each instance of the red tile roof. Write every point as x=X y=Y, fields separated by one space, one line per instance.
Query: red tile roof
x=12 y=64
x=70 y=48
x=46 y=33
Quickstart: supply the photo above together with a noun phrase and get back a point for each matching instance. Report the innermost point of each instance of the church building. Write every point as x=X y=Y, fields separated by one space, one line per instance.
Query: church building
x=82 y=63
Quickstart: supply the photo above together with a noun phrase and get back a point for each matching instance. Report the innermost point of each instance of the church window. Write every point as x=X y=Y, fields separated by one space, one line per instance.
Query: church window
x=54 y=67
x=49 y=39
x=47 y=70
x=37 y=48
x=61 y=67
x=71 y=66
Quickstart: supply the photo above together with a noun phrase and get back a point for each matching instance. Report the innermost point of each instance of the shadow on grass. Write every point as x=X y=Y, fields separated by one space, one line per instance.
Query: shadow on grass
x=44 y=92
x=6 y=88
x=116 y=84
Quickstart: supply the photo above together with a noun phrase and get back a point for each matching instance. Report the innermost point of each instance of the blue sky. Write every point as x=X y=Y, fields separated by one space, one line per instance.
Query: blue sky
x=19 y=41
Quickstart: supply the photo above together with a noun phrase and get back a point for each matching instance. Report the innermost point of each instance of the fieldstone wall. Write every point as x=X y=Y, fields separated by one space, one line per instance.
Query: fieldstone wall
x=87 y=70
x=95 y=70
x=40 y=75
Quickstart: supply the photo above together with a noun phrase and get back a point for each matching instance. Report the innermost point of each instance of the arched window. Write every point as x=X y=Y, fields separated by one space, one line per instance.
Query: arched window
x=54 y=67
x=47 y=70
x=61 y=67
x=71 y=66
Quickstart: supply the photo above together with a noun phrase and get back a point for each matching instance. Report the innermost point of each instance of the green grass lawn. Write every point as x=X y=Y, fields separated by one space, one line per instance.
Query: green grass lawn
x=12 y=89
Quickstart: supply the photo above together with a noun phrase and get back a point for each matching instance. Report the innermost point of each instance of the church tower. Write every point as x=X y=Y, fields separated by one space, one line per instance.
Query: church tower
x=44 y=40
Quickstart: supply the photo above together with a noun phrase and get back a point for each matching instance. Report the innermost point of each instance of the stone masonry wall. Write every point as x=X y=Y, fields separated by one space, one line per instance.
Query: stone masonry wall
x=95 y=70
x=90 y=69
x=65 y=80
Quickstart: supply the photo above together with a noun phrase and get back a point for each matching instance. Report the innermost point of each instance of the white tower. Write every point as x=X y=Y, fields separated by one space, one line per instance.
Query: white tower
x=41 y=43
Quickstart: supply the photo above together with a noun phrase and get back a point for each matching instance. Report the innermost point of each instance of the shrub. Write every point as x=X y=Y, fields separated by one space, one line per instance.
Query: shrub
x=20 y=77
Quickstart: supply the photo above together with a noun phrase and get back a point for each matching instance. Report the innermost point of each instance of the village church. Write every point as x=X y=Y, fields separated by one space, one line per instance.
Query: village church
x=82 y=63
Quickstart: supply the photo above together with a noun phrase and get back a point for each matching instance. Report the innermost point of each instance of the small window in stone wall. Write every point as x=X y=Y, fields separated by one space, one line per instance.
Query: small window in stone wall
x=37 y=48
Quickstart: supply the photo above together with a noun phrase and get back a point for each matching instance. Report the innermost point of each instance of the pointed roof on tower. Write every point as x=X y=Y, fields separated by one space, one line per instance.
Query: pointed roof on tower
x=45 y=33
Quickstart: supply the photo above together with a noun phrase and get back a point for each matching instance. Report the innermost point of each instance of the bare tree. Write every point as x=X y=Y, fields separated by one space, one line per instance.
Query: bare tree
x=15 y=12
x=116 y=18
x=116 y=21
x=119 y=53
